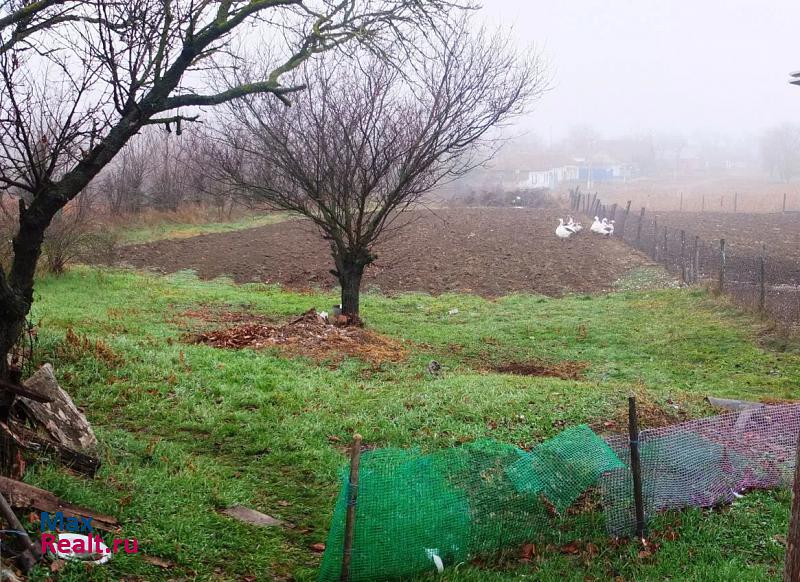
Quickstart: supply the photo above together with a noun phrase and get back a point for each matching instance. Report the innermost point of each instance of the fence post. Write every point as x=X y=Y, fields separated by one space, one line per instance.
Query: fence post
x=614 y=211
x=762 y=280
x=636 y=469
x=625 y=218
x=791 y=566
x=721 y=286
x=681 y=208
x=655 y=239
x=639 y=228
x=703 y=203
x=735 y=202
x=683 y=257
x=352 y=496
x=784 y=202
x=696 y=269
x=665 y=248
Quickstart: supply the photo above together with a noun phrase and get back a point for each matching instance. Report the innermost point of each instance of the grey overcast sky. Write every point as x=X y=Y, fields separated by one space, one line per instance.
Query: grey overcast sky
x=628 y=66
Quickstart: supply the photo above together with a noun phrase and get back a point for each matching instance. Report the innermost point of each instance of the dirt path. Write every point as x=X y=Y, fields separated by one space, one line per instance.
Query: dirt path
x=486 y=251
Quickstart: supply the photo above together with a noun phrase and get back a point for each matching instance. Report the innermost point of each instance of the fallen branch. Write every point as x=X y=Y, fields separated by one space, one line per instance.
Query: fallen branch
x=23 y=495
x=30 y=440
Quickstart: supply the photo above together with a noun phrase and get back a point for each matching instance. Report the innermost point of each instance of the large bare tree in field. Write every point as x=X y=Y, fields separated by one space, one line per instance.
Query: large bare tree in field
x=369 y=139
x=78 y=79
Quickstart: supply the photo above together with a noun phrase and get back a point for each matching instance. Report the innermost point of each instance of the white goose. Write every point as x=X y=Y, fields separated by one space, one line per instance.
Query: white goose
x=597 y=226
x=562 y=231
x=572 y=226
x=609 y=228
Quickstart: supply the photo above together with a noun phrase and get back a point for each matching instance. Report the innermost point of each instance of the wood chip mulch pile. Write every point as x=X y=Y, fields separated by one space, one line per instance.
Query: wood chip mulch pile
x=309 y=335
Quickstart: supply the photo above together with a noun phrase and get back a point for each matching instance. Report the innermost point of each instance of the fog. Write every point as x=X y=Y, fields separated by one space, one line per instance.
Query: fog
x=680 y=66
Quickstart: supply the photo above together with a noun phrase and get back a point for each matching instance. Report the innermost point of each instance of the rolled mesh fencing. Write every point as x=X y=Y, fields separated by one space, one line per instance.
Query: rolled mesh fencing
x=419 y=512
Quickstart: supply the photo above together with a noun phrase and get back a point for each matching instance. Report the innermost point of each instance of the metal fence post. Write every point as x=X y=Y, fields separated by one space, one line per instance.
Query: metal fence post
x=762 y=279
x=636 y=469
x=639 y=227
x=683 y=257
x=655 y=239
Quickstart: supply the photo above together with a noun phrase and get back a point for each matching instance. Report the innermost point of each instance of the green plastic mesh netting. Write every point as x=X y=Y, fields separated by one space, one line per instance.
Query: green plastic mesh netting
x=416 y=509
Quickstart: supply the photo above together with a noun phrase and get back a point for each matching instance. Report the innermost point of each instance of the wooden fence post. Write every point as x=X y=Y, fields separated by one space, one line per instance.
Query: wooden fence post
x=681 y=207
x=791 y=567
x=352 y=497
x=721 y=286
x=703 y=203
x=636 y=469
x=696 y=268
x=666 y=248
x=639 y=227
x=614 y=211
x=784 y=202
x=735 y=202
x=683 y=257
x=625 y=218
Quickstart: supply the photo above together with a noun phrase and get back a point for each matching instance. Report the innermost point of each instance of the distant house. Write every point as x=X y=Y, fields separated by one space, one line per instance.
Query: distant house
x=548 y=171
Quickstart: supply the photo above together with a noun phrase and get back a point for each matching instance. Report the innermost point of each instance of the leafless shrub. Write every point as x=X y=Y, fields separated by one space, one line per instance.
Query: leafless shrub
x=76 y=236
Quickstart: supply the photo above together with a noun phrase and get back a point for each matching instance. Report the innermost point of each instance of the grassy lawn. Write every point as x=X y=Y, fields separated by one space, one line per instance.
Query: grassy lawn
x=189 y=429
x=161 y=230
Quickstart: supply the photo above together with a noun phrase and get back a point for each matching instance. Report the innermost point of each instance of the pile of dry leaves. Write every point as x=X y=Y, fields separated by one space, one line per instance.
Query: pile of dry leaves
x=309 y=335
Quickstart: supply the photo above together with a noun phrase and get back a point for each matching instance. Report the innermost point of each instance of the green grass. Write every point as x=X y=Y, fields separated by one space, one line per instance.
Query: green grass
x=187 y=429
x=138 y=234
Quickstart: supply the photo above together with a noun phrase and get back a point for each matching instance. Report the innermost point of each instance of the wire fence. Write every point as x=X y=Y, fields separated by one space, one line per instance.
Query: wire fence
x=702 y=463
x=756 y=280
x=416 y=512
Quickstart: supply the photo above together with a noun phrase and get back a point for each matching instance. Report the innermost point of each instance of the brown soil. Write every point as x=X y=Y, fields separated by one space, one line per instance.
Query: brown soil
x=309 y=336
x=743 y=233
x=563 y=370
x=487 y=251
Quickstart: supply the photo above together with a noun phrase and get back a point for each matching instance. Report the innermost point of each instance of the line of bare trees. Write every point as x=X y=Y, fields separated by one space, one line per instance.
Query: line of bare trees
x=162 y=171
x=80 y=78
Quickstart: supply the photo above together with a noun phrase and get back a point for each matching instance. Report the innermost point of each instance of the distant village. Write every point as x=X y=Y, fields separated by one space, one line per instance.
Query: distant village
x=529 y=166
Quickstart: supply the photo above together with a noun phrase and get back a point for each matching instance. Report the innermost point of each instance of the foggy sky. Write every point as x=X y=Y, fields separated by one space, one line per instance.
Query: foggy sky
x=627 y=66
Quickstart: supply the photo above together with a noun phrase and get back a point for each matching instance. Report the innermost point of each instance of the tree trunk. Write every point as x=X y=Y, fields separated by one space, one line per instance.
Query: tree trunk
x=350 y=265
x=350 y=280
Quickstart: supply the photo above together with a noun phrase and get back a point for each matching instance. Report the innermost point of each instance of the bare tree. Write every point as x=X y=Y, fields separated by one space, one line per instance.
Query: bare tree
x=79 y=79
x=123 y=181
x=368 y=139
x=780 y=151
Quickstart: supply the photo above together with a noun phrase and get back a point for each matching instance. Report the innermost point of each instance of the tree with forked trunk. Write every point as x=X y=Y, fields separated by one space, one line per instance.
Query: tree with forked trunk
x=369 y=138
x=80 y=78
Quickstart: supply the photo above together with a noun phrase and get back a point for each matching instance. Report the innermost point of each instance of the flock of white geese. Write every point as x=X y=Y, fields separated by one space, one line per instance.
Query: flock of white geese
x=604 y=227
